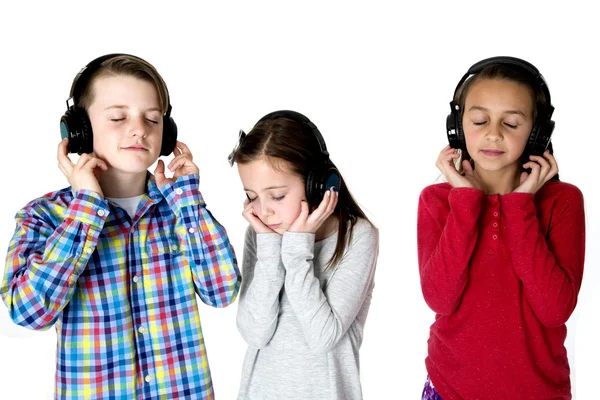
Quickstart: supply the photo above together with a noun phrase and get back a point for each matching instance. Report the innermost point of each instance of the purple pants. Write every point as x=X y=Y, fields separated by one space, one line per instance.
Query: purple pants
x=429 y=392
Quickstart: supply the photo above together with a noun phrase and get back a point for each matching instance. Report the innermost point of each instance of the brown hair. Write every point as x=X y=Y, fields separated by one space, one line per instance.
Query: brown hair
x=510 y=73
x=283 y=142
x=129 y=66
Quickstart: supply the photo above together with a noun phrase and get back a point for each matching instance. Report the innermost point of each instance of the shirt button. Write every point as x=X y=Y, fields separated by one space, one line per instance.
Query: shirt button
x=88 y=250
x=178 y=191
x=191 y=230
x=141 y=329
x=136 y=279
x=101 y=212
x=495 y=213
x=174 y=247
x=148 y=378
x=495 y=237
x=495 y=224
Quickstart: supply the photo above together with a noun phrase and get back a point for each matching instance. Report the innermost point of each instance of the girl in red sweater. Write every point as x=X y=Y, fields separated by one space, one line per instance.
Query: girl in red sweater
x=501 y=244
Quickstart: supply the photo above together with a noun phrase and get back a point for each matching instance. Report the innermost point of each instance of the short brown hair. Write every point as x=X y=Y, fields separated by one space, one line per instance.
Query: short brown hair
x=129 y=66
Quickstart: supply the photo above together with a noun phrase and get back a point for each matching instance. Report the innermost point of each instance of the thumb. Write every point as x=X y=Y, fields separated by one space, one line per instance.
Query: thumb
x=467 y=167
x=523 y=178
x=159 y=172
x=304 y=208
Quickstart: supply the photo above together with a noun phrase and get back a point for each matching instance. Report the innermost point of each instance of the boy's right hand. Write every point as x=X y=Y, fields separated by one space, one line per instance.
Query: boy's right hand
x=255 y=222
x=83 y=174
x=445 y=164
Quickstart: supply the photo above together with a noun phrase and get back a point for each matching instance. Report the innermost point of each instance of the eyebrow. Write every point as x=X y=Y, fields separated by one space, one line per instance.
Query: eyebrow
x=125 y=107
x=505 y=112
x=268 y=188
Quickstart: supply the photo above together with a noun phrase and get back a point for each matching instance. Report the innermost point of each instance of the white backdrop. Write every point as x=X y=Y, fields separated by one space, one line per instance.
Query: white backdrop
x=375 y=77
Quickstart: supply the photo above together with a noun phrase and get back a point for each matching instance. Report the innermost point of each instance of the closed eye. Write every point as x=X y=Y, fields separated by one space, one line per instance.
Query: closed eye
x=117 y=119
x=511 y=126
x=278 y=198
x=152 y=121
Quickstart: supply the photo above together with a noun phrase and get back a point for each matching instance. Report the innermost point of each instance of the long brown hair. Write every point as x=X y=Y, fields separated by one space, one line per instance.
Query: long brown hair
x=510 y=73
x=283 y=142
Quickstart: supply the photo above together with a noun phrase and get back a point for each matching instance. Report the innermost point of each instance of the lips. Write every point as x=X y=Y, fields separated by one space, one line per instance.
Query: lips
x=274 y=226
x=492 y=152
x=135 y=148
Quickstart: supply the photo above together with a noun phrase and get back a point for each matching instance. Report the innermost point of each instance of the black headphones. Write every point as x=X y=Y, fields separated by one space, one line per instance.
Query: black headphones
x=75 y=123
x=323 y=174
x=539 y=138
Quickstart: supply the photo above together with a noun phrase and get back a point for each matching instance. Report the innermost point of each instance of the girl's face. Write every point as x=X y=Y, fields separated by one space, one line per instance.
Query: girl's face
x=275 y=195
x=497 y=121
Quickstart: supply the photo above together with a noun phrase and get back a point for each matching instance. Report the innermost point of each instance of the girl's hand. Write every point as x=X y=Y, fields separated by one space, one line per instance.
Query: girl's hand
x=310 y=223
x=445 y=164
x=255 y=222
x=542 y=170
x=182 y=165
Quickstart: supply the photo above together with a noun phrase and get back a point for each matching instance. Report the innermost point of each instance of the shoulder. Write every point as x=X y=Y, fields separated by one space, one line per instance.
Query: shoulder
x=560 y=191
x=436 y=192
x=557 y=194
x=52 y=203
x=364 y=231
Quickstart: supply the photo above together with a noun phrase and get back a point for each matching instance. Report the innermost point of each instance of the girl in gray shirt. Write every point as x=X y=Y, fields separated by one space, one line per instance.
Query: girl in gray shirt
x=308 y=265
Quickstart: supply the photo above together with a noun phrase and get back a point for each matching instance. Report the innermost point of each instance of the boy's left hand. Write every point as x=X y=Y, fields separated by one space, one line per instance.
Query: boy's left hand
x=542 y=170
x=181 y=165
x=310 y=223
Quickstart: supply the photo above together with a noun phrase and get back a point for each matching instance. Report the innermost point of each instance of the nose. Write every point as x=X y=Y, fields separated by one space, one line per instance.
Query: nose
x=264 y=210
x=494 y=132
x=138 y=127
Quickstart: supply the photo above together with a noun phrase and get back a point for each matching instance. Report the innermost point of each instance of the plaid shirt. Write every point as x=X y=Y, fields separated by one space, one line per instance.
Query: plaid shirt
x=121 y=291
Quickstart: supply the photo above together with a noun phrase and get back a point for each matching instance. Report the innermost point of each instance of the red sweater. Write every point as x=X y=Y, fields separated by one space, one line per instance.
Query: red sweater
x=502 y=274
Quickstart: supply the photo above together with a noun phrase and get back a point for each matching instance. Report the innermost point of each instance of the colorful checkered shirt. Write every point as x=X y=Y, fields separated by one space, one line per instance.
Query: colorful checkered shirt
x=121 y=291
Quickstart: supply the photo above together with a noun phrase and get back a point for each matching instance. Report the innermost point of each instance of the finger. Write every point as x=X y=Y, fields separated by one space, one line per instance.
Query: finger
x=63 y=157
x=333 y=203
x=553 y=164
x=544 y=165
x=178 y=162
x=535 y=170
x=184 y=149
x=94 y=163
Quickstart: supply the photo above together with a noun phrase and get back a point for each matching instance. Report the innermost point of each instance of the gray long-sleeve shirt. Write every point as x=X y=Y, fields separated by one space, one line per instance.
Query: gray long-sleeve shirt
x=304 y=323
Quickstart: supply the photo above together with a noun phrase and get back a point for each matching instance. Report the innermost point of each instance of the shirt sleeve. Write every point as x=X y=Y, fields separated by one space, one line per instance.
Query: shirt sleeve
x=550 y=266
x=325 y=314
x=262 y=281
x=45 y=261
x=205 y=242
x=447 y=232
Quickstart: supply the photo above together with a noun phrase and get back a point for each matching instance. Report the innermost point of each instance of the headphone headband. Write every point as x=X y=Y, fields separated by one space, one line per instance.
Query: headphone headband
x=517 y=62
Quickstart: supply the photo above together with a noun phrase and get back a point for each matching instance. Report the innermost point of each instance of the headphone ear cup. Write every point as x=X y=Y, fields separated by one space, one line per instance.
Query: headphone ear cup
x=319 y=181
x=539 y=139
x=454 y=130
x=75 y=125
x=169 y=138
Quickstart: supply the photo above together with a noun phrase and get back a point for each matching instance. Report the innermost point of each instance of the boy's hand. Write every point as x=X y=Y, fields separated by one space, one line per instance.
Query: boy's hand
x=84 y=174
x=310 y=223
x=181 y=165
x=542 y=170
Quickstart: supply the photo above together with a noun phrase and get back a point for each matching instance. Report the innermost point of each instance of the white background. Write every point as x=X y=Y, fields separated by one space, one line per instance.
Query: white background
x=375 y=77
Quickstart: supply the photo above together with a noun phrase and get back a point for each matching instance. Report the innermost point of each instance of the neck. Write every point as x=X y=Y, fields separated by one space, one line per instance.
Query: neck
x=499 y=182
x=118 y=185
x=329 y=227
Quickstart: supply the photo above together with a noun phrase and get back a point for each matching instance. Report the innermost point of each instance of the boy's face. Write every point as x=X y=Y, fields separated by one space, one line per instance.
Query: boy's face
x=127 y=122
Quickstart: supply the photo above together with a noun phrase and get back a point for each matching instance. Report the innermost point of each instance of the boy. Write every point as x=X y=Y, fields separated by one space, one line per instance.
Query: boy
x=115 y=259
